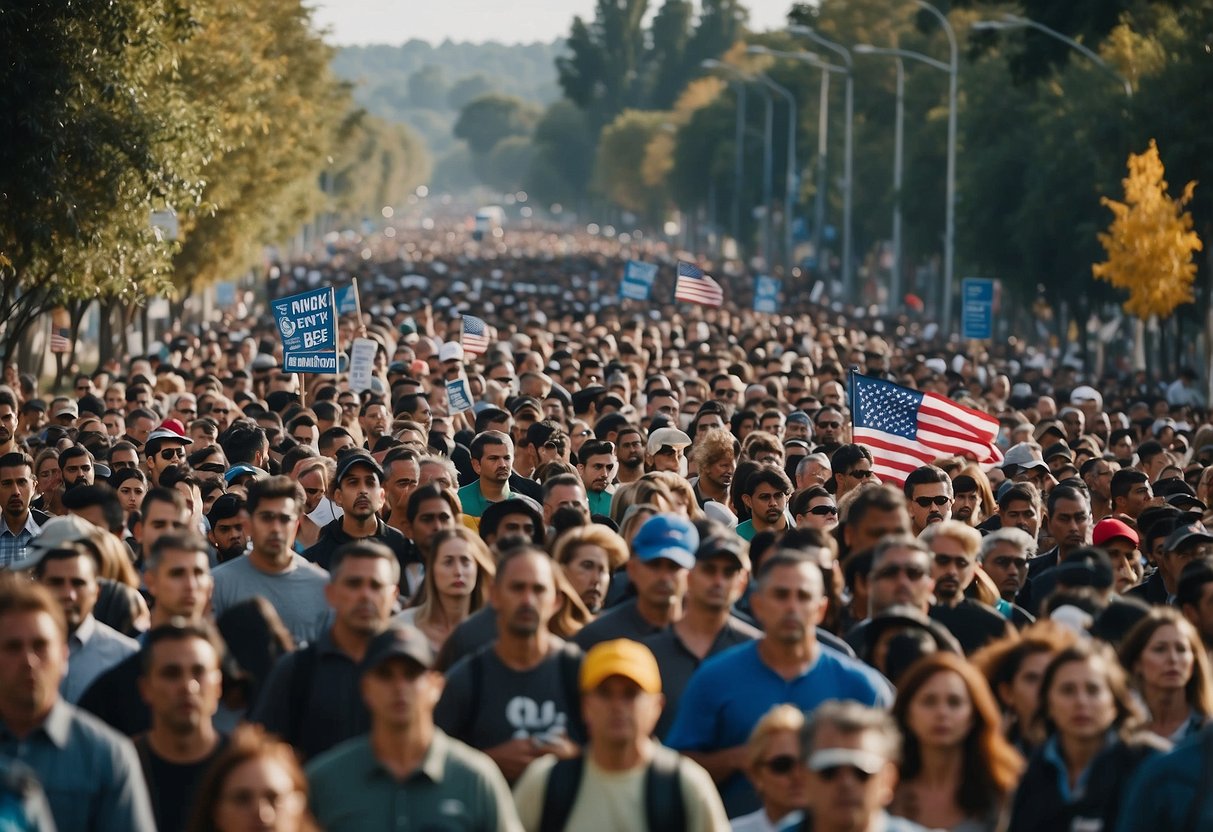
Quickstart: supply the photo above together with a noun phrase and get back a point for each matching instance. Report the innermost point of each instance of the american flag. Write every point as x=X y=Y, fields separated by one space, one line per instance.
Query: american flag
x=60 y=342
x=694 y=286
x=475 y=335
x=906 y=429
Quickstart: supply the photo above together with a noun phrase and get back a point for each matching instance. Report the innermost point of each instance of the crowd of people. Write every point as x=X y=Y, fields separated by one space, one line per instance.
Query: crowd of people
x=646 y=579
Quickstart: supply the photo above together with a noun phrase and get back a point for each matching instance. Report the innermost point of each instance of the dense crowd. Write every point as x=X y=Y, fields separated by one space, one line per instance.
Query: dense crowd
x=646 y=580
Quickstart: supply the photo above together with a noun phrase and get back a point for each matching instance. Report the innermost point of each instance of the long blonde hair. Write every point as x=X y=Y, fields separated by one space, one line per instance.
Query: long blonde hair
x=426 y=601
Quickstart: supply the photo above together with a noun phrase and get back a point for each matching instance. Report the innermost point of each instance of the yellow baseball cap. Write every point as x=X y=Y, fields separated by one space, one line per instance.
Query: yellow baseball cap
x=621 y=657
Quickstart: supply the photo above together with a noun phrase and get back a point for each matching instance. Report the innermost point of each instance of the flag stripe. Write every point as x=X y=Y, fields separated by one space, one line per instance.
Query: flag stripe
x=693 y=286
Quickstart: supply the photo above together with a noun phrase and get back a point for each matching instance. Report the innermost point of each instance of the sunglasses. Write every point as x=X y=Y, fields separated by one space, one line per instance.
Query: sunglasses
x=829 y=425
x=725 y=394
x=172 y=453
x=830 y=773
x=911 y=571
x=1006 y=562
x=824 y=511
x=927 y=502
x=783 y=764
x=861 y=473
x=959 y=561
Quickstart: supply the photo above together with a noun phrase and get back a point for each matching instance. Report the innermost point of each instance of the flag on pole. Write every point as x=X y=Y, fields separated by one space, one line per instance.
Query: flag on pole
x=694 y=286
x=906 y=429
x=475 y=335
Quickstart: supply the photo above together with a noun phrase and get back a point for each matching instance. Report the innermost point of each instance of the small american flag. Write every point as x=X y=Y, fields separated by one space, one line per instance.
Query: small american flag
x=906 y=429
x=475 y=335
x=60 y=342
x=694 y=286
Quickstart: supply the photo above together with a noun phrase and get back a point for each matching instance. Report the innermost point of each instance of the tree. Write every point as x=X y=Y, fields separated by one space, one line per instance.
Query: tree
x=487 y=120
x=564 y=155
x=669 y=69
x=508 y=163
x=619 y=167
x=1150 y=242
x=428 y=88
x=602 y=73
x=468 y=89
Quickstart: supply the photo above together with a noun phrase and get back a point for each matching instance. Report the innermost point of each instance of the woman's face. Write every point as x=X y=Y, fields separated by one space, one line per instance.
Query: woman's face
x=941 y=712
x=589 y=571
x=1166 y=662
x=778 y=777
x=454 y=568
x=259 y=795
x=1022 y=696
x=49 y=477
x=1080 y=701
x=130 y=494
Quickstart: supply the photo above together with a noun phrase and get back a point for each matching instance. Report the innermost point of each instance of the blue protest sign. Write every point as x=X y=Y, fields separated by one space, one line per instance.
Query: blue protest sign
x=346 y=302
x=308 y=327
x=977 y=308
x=638 y=280
x=766 y=294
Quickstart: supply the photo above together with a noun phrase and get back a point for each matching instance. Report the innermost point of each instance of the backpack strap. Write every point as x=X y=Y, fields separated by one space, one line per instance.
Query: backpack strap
x=664 y=809
x=302 y=674
x=564 y=781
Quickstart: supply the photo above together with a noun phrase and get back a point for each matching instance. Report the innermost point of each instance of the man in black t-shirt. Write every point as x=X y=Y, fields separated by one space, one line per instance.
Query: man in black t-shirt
x=953 y=567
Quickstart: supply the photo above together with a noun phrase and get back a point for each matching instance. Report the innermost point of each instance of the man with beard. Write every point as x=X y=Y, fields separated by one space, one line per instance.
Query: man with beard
x=829 y=430
x=708 y=627
x=76 y=465
x=374 y=420
x=597 y=467
x=928 y=493
x=715 y=458
x=21 y=523
x=629 y=451
x=492 y=461
x=1068 y=522
x=517 y=699
x=312 y=698
x=228 y=523
x=8 y=423
x=1130 y=492
x=954 y=548
x=966 y=500
x=359 y=492
x=765 y=494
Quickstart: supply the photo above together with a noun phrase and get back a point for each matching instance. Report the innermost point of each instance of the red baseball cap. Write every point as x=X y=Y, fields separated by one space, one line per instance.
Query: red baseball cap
x=1110 y=527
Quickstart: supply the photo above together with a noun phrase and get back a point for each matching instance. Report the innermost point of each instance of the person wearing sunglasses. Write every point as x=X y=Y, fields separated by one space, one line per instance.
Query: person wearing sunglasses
x=814 y=508
x=928 y=493
x=773 y=767
x=955 y=548
x=852 y=467
x=164 y=448
x=900 y=574
x=829 y=430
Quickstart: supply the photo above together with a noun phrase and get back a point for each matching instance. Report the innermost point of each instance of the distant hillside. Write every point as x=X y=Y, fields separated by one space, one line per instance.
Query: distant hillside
x=424 y=86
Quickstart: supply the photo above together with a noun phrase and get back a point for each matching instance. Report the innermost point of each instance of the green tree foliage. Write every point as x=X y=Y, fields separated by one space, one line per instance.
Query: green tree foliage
x=564 y=156
x=468 y=89
x=602 y=73
x=668 y=61
x=377 y=163
x=619 y=167
x=487 y=120
x=508 y=163
x=428 y=87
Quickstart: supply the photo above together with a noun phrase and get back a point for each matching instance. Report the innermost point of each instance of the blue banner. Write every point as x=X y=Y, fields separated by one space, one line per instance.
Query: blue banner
x=308 y=327
x=638 y=280
x=766 y=294
x=346 y=304
x=977 y=308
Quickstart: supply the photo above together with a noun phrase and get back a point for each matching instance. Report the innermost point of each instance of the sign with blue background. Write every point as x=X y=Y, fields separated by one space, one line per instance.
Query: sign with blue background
x=977 y=308
x=307 y=323
x=766 y=294
x=638 y=280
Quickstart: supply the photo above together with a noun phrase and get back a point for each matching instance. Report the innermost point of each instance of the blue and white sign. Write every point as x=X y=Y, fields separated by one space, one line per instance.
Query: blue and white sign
x=638 y=280
x=977 y=308
x=458 y=396
x=308 y=326
x=347 y=304
x=766 y=294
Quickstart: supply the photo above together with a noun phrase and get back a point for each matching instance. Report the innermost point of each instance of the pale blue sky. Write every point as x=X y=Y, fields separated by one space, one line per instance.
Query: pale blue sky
x=507 y=21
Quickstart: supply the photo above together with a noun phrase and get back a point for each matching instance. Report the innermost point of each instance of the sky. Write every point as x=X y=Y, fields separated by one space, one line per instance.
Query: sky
x=506 y=21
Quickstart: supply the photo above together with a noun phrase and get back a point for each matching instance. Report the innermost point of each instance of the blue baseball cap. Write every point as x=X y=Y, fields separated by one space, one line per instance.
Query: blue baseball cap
x=666 y=536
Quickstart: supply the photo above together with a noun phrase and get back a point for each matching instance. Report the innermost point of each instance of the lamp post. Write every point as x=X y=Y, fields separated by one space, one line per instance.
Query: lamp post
x=848 y=271
x=791 y=176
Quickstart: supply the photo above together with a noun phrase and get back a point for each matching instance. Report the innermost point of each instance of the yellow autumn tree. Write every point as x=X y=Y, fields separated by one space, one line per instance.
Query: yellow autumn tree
x=1150 y=242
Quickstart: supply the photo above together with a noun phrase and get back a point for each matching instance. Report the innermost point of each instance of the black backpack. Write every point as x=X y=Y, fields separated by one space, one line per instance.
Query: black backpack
x=664 y=810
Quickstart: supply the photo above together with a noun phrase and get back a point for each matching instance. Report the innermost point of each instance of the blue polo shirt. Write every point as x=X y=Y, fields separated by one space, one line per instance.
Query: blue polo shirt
x=731 y=692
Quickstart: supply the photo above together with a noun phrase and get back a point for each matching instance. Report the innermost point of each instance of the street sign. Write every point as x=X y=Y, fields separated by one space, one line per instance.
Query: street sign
x=977 y=308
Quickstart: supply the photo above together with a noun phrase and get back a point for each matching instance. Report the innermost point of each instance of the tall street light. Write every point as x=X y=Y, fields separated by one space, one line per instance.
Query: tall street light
x=791 y=176
x=848 y=270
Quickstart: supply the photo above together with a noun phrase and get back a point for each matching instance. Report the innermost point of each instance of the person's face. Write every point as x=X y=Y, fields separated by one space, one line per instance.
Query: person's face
x=402 y=477
x=1080 y=701
x=260 y=794
x=313 y=488
x=664 y=405
x=843 y=797
x=1122 y=448
x=668 y=458
x=432 y=516
x=660 y=583
x=273 y=527
x=778 y=776
x=1007 y=567
x=768 y=502
x=306 y=434
x=182 y=684
x=73 y=582
x=772 y=425
x=903 y=577
x=161 y=518
x=858 y=474
x=399 y=692
x=124 y=459
x=1166 y=662
x=516 y=525
x=725 y=393
x=1022 y=694
x=788 y=603
x=618 y=712
x=589 y=571
x=16 y=490
x=423 y=415
x=1039 y=476
x=33 y=659
x=375 y=421
x=1073 y=422
x=167 y=455
x=721 y=471
x=1140 y=495
x=78 y=471
x=494 y=464
x=360 y=493
x=181 y=584
x=1124 y=557
x=865 y=532
x=941 y=713
x=821 y=513
x=630 y=452
x=964 y=505
x=1020 y=514
x=829 y=427
x=708 y=423
x=930 y=503
x=114 y=399
x=230 y=536
x=716 y=583
x=597 y=471
x=361 y=594
x=524 y=595
x=952 y=568
x=563 y=496
x=455 y=568
x=8 y=423
x=1070 y=524
x=49 y=476
x=186 y=409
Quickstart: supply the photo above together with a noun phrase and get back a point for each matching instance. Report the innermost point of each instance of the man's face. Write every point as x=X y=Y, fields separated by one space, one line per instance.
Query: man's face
x=423 y=415
x=273 y=527
x=864 y=532
x=360 y=493
x=963 y=506
x=73 y=582
x=78 y=471
x=1139 y=497
x=843 y=797
x=1007 y=567
x=618 y=712
x=114 y=399
x=597 y=471
x=665 y=405
x=182 y=684
x=829 y=427
x=589 y=571
x=668 y=458
x=494 y=464
x=230 y=536
x=788 y=603
x=8 y=423
x=1099 y=479
x=524 y=595
x=313 y=488
x=952 y=568
x=795 y=430
x=433 y=515
x=1070 y=524
x=1122 y=448
x=1020 y=514
x=181 y=584
x=710 y=422
x=720 y=472
x=716 y=583
x=124 y=459
x=930 y=503
x=660 y=583
x=167 y=454
x=398 y=692
x=768 y=503
x=33 y=659
x=1039 y=476
x=902 y=577
x=16 y=490
x=185 y=410
x=374 y=422
x=630 y=452
x=402 y=478
x=1074 y=422
x=361 y=594
x=1124 y=556
x=516 y=525
x=562 y=496
x=306 y=434
x=161 y=518
x=856 y=475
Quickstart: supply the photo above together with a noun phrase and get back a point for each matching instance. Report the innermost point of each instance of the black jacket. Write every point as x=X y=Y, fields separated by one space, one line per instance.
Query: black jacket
x=1153 y=591
x=333 y=536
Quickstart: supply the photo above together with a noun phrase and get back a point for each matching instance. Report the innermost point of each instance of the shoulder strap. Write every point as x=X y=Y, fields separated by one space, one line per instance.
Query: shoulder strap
x=302 y=674
x=664 y=810
x=564 y=781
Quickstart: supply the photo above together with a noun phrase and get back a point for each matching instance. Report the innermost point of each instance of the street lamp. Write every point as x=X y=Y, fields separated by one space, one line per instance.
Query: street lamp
x=790 y=178
x=1011 y=21
x=848 y=275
